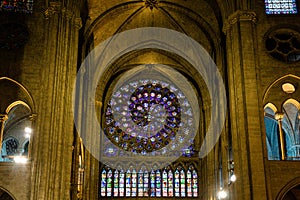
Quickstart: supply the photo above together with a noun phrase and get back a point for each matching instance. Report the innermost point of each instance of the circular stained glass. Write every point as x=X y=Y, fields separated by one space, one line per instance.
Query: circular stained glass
x=146 y=115
x=284 y=45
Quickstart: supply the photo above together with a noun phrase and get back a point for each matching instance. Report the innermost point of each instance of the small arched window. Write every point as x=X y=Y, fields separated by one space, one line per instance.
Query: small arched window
x=16 y=133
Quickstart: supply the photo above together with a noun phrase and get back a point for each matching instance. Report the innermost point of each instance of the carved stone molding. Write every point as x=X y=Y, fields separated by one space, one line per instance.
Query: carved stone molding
x=239 y=16
x=57 y=8
x=3 y=117
x=151 y=3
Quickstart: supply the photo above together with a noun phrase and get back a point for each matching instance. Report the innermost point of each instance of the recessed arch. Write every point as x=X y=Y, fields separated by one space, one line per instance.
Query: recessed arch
x=289 y=186
x=23 y=96
x=16 y=103
x=292 y=101
x=5 y=194
x=271 y=106
x=276 y=95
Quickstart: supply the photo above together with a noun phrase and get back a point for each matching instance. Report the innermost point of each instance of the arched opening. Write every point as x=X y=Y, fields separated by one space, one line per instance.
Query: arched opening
x=16 y=133
x=5 y=195
x=293 y=194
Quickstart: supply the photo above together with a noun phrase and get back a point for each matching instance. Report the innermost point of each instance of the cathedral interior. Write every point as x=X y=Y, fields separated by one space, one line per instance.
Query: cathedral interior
x=149 y=99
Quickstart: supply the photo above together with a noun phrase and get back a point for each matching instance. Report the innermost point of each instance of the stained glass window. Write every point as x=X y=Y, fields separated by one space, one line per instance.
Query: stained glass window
x=128 y=183
x=146 y=183
x=134 y=184
x=116 y=183
x=189 y=183
x=165 y=183
x=281 y=7
x=103 y=183
x=170 y=183
x=122 y=183
x=16 y=5
x=148 y=115
x=158 y=183
x=109 y=183
x=11 y=146
x=195 y=183
x=140 y=183
x=152 y=184
x=182 y=183
x=177 y=180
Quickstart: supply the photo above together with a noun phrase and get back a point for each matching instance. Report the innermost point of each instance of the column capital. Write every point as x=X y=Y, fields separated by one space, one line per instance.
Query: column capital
x=55 y=7
x=238 y=16
x=279 y=116
x=32 y=117
x=3 y=117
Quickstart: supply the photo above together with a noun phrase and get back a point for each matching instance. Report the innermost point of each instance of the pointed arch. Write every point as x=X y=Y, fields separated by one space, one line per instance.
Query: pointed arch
x=24 y=97
x=5 y=194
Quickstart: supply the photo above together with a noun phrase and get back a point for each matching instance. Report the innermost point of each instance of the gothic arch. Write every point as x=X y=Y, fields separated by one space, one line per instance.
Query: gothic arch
x=5 y=194
x=17 y=94
x=275 y=95
x=288 y=187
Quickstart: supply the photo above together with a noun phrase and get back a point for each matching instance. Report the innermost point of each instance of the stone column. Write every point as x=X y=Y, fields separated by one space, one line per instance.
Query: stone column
x=245 y=106
x=3 y=118
x=279 y=117
x=52 y=148
x=32 y=118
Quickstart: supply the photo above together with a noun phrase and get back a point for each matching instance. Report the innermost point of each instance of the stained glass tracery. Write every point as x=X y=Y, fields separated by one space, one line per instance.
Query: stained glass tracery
x=149 y=116
x=25 y=6
x=281 y=7
x=179 y=182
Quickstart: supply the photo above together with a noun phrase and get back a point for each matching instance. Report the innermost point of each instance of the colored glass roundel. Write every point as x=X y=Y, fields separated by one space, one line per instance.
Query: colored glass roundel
x=144 y=116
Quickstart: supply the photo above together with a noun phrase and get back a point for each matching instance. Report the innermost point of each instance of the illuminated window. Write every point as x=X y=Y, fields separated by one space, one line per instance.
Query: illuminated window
x=281 y=7
x=163 y=183
x=16 y=5
x=290 y=132
x=155 y=107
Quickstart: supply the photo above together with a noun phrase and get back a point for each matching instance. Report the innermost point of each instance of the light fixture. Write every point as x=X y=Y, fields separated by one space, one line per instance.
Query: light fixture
x=28 y=130
x=232 y=178
x=222 y=194
x=20 y=159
